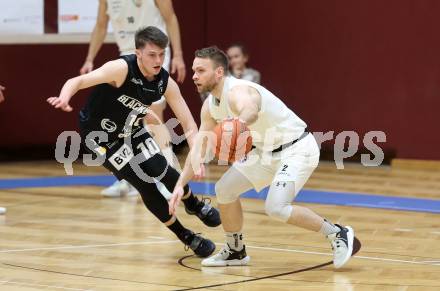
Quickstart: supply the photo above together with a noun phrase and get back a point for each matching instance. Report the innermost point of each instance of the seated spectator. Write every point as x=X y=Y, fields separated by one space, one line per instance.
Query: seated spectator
x=238 y=58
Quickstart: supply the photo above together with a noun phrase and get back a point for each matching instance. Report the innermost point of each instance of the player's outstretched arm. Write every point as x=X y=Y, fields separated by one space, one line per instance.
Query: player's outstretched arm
x=194 y=160
x=113 y=72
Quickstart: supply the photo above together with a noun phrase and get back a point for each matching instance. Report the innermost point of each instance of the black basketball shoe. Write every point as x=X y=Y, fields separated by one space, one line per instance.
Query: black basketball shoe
x=206 y=213
x=202 y=247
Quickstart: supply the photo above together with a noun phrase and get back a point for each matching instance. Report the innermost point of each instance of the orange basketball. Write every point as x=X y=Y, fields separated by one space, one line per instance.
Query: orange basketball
x=233 y=140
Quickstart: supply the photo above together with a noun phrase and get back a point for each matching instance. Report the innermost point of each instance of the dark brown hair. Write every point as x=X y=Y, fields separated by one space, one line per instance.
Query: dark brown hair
x=150 y=34
x=215 y=54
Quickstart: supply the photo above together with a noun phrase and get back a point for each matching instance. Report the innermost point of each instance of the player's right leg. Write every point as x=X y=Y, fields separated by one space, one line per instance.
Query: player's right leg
x=228 y=189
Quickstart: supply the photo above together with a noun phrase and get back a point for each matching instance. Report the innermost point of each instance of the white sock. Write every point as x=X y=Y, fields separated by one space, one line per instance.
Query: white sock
x=235 y=240
x=328 y=228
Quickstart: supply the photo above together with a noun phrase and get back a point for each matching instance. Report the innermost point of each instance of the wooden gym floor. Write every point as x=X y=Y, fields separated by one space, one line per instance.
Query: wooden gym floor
x=71 y=238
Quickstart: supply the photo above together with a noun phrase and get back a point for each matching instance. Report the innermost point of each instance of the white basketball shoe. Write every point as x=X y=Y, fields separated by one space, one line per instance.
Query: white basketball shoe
x=342 y=245
x=119 y=189
x=227 y=257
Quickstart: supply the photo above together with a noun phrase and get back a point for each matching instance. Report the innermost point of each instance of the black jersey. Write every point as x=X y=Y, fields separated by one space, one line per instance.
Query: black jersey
x=117 y=111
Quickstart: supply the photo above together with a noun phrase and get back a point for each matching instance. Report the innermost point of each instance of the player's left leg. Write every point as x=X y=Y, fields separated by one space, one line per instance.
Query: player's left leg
x=292 y=174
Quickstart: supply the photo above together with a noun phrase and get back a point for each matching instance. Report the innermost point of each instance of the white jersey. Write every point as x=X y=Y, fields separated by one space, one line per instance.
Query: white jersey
x=127 y=16
x=276 y=124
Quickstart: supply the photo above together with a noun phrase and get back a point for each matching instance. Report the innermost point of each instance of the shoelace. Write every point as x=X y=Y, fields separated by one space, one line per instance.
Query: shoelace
x=207 y=205
x=187 y=246
x=204 y=199
x=226 y=250
x=337 y=243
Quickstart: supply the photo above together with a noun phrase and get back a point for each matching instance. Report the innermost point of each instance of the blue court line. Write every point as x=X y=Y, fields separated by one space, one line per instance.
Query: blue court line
x=56 y=181
x=308 y=196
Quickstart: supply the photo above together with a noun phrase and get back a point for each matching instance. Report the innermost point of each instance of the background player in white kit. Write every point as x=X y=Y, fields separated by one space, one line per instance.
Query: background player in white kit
x=126 y=17
x=293 y=155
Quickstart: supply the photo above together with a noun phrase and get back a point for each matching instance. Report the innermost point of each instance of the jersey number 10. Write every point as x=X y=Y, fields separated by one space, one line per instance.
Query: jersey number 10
x=149 y=148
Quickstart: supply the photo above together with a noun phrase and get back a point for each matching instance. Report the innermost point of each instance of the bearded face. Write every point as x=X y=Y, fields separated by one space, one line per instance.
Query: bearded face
x=206 y=75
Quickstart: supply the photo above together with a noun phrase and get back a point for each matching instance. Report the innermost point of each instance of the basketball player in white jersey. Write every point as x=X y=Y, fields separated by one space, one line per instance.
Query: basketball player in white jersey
x=127 y=16
x=2 y=98
x=284 y=157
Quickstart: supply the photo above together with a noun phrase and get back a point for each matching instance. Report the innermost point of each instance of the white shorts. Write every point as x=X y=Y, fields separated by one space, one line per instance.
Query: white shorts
x=293 y=164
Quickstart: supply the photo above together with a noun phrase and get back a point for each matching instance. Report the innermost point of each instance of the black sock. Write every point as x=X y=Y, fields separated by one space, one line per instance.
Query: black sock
x=180 y=231
x=192 y=203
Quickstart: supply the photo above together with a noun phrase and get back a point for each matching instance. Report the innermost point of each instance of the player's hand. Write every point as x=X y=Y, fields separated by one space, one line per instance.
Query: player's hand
x=200 y=172
x=61 y=103
x=243 y=125
x=86 y=68
x=2 y=97
x=175 y=199
x=178 y=66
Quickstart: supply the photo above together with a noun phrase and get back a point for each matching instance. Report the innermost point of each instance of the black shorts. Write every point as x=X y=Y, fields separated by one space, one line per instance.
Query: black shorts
x=137 y=159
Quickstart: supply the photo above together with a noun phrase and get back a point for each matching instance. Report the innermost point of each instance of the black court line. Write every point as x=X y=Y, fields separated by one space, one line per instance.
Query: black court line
x=356 y=247
x=88 y=276
x=249 y=280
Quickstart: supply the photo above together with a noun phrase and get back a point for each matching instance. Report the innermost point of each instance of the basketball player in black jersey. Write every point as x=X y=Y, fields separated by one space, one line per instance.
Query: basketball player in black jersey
x=111 y=127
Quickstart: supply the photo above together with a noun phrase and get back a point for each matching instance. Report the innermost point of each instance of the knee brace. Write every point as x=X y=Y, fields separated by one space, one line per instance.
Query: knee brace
x=225 y=194
x=280 y=212
x=279 y=200
x=231 y=185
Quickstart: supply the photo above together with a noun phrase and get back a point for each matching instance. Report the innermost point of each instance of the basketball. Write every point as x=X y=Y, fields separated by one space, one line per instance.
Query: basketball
x=233 y=140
